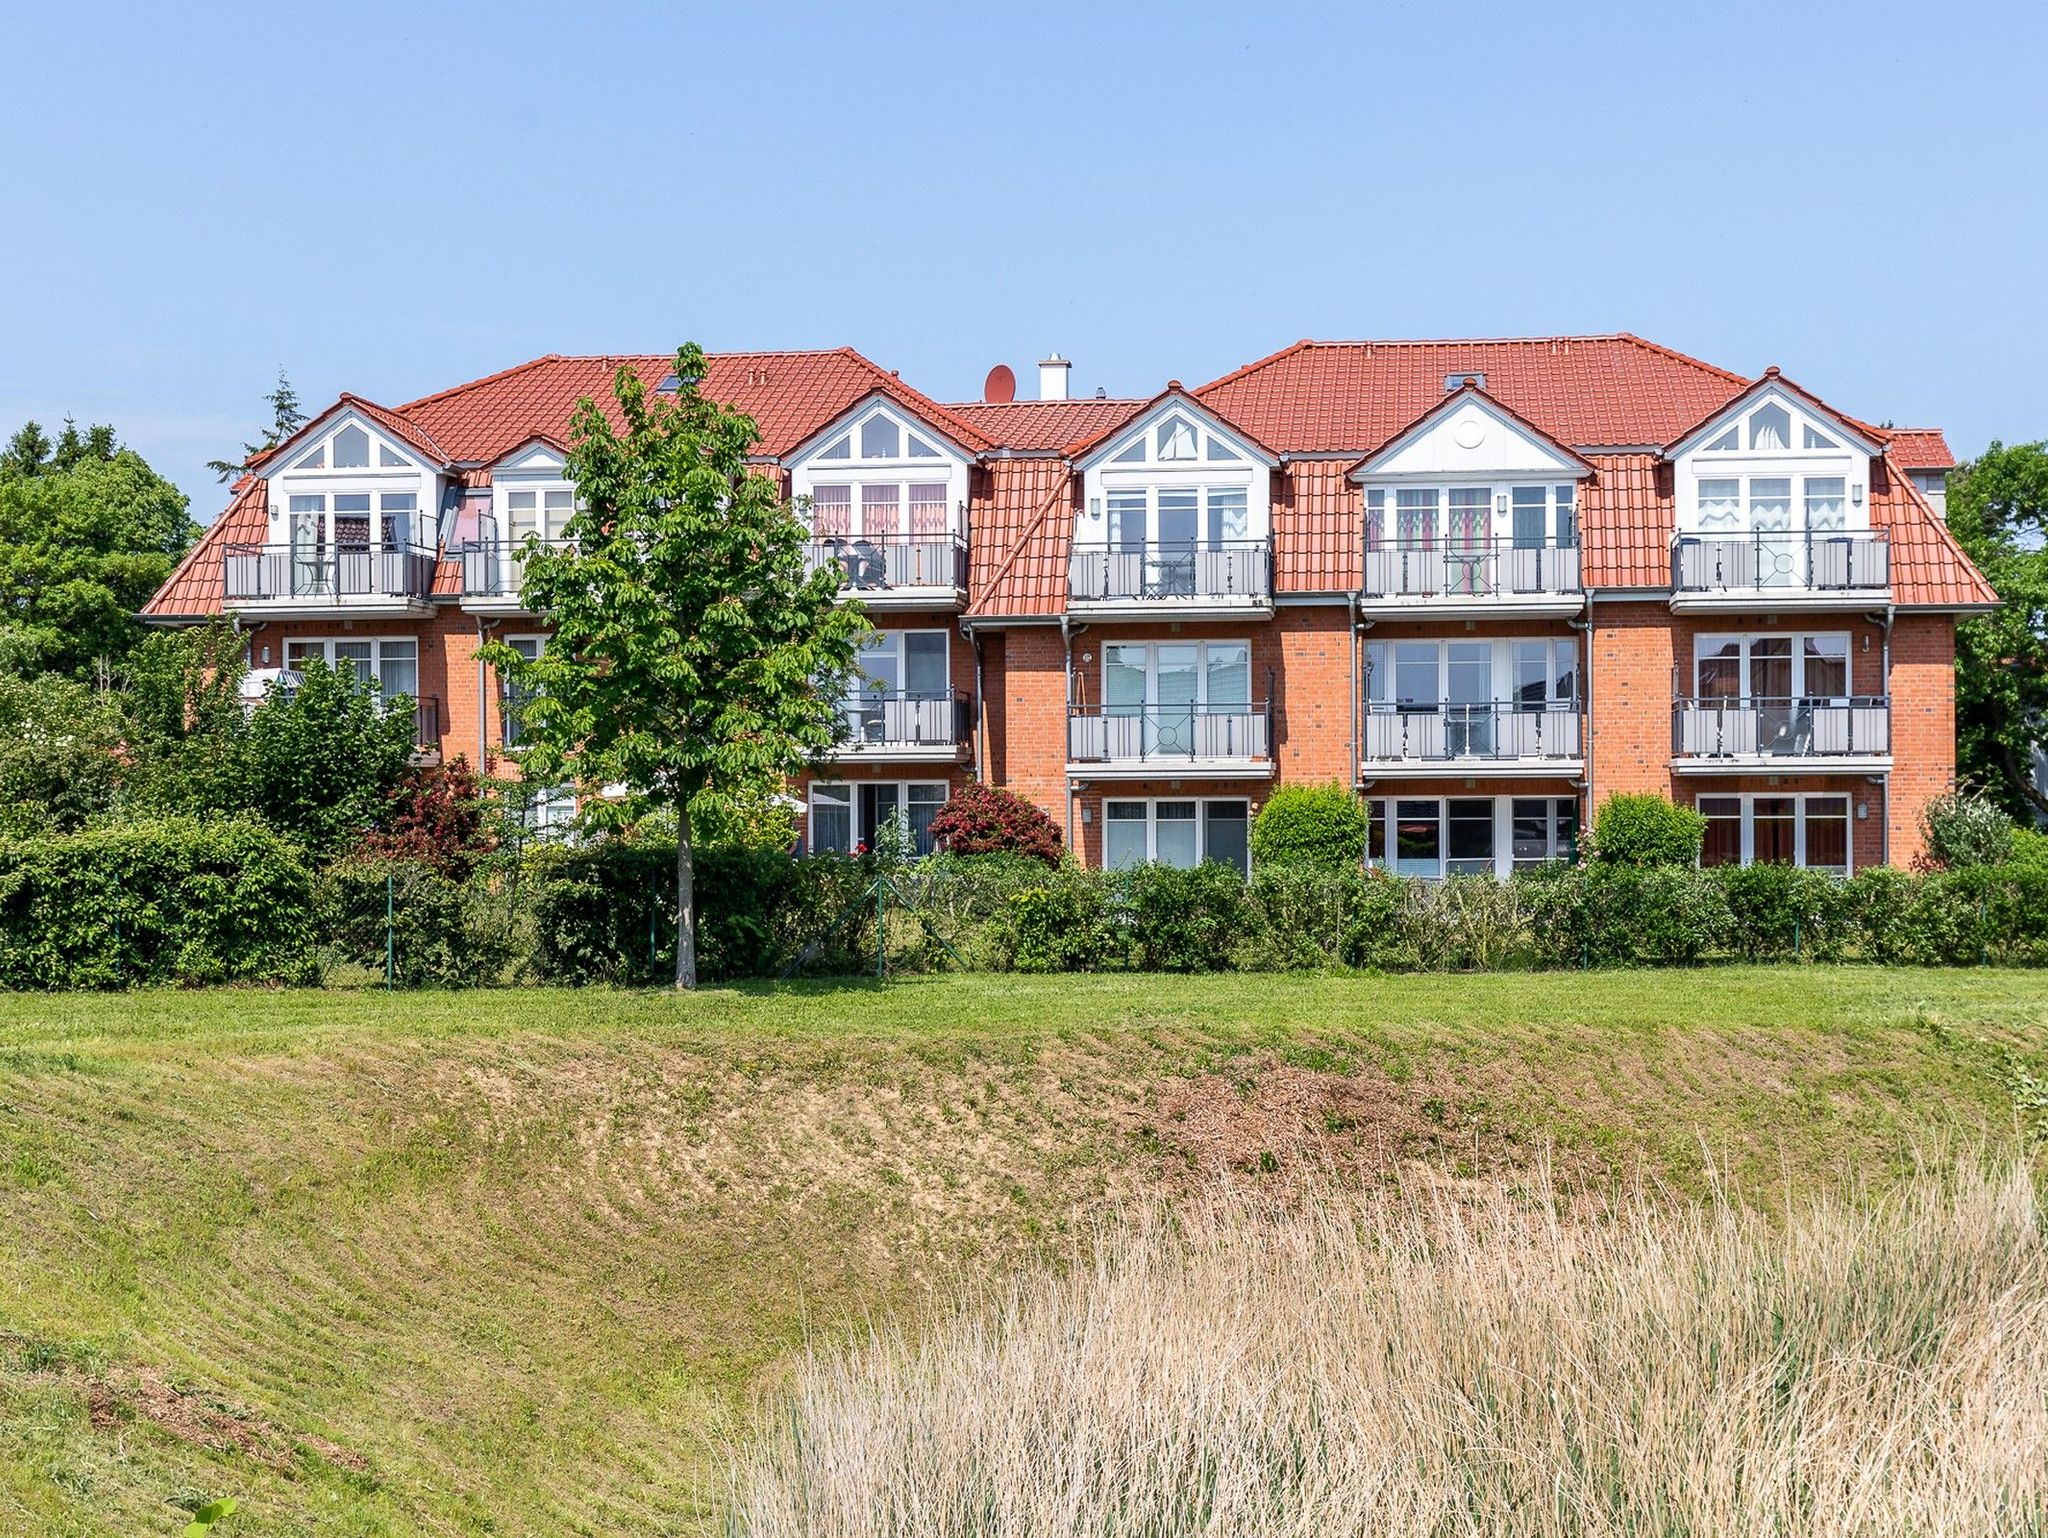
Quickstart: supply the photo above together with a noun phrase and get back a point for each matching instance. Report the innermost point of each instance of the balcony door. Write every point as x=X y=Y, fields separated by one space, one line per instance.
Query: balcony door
x=1190 y=698
x=903 y=680
x=339 y=545
x=1772 y=693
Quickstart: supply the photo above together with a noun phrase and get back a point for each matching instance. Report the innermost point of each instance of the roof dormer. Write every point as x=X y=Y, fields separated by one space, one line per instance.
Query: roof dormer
x=1775 y=458
x=879 y=472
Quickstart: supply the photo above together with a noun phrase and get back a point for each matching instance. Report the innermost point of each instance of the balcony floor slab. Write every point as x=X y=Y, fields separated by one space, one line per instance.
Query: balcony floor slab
x=881 y=753
x=1173 y=769
x=323 y=608
x=1782 y=600
x=1783 y=764
x=1516 y=606
x=1472 y=768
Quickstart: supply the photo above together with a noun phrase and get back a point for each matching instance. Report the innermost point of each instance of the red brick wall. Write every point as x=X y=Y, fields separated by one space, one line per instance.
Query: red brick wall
x=1923 y=724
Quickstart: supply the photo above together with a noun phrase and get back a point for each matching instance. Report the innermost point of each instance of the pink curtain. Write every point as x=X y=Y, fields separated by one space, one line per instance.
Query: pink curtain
x=881 y=512
x=928 y=510
x=832 y=511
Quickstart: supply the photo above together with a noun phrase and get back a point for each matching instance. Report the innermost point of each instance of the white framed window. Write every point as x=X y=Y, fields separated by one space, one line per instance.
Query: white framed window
x=1179 y=831
x=1773 y=468
x=1422 y=676
x=899 y=664
x=1137 y=675
x=846 y=816
x=1809 y=829
x=1175 y=482
x=537 y=512
x=1437 y=836
x=1805 y=665
x=390 y=666
x=1473 y=517
x=882 y=478
x=1178 y=517
x=548 y=812
x=513 y=695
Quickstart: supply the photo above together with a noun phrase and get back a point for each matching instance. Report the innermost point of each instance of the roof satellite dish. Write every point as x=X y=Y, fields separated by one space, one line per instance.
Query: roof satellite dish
x=1000 y=388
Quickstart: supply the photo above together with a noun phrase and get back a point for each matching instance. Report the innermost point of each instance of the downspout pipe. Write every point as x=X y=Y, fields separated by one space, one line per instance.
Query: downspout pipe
x=980 y=703
x=1067 y=648
x=1585 y=629
x=1357 y=686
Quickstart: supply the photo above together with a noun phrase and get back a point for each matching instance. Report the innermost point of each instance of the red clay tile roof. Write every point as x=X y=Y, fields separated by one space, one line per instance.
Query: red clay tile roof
x=1625 y=523
x=1317 y=527
x=198 y=586
x=1022 y=529
x=1043 y=426
x=1083 y=446
x=790 y=396
x=1929 y=569
x=1917 y=448
x=1585 y=391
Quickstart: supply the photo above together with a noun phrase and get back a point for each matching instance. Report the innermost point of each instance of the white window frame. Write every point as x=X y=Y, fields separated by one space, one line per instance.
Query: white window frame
x=1501 y=665
x=1382 y=511
x=1843 y=460
x=810 y=470
x=846 y=794
x=1200 y=820
x=377 y=480
x=891 y=641
x=1202 y=645
x=1800 y=800
x=1704 y=641
x=1104 y=477
x=506 y=704
x=376 y=645
x=1383 y=809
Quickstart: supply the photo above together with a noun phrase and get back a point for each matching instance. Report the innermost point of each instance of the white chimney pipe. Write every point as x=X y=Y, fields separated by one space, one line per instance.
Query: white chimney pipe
x=1052 y=378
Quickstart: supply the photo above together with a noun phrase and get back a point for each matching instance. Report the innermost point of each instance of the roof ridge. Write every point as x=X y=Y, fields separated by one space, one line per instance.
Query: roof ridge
x=1077 y=400
x=1683 y=357
x=1257 y=363
x=493 y=378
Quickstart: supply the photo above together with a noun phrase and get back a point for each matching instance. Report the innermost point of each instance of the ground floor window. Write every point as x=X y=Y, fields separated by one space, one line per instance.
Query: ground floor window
x=1437 y=836
x=846 y=818
x=546 y=811
x=1808 y=830
x=1180 y=833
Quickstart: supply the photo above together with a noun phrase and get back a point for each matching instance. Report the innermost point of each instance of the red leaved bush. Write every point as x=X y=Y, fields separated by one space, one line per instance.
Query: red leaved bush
x=981 y=820
x=436 y=814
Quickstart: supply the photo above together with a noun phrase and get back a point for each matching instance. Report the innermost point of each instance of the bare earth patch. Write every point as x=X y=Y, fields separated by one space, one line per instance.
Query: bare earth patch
x=119 y=1399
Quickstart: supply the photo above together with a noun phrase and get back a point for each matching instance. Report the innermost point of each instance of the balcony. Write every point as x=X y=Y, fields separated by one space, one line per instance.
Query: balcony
x=330 y=579
x=1815 y=569
x=907 y=571
x=1780 y=736
x=1495 y=575
x=493 y=571
x=1139 y=742
x=1499 y=738
x=1181 y=579
x=902 y=727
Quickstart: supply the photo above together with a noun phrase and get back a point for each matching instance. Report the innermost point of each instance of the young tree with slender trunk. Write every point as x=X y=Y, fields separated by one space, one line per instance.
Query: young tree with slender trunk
x=692 y=648
x=1998 y=512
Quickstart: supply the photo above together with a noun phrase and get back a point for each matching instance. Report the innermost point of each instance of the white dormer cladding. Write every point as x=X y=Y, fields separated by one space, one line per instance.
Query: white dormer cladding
x=1772 y=463
x=1468 y=476
x=1176 y=477
x=531 y=496
x=879 y=473
x=353 y=484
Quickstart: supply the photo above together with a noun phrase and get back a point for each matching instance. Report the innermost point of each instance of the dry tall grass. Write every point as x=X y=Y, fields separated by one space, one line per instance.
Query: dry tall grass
x=1861 y=1367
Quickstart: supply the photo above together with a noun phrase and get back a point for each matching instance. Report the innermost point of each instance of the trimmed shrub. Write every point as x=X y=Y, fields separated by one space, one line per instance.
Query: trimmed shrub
x=1645 y=830
x=1966 y=828
x=1183 y=920
x=1778 y=912
x=1624 y=915
x=1316 y=827
x=1062 y=925
x=167 y=901
x=1464 y=923
x=985 y=820
x=444 y=933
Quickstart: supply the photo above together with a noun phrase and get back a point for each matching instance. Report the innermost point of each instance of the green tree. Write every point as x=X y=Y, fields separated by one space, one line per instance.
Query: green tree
x=88 y=531
x=61 y=752
x=1998 y=512
x=692 y=649
x=285 y=419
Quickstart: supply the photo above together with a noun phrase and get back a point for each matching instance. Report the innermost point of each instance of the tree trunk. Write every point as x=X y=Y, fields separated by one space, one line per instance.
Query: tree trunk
x=686 y=902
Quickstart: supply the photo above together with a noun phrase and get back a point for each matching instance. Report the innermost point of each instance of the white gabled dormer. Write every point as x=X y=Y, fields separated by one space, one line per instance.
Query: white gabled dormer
x=352 y=482
x=530 y=501
x=1176 y=515
x=1771 y=498
x=880 y=473
x=885 y=495
x=1472 y=506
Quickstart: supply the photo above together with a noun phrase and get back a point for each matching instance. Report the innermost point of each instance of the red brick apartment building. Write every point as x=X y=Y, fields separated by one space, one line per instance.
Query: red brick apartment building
x=1487 y=583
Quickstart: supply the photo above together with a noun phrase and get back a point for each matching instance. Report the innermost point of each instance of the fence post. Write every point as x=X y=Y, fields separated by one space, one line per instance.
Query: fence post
x=390 y=938
x=1795 y=937
x=1983 y=929
x=881 y=928
x=653 y=956
x=117 y=925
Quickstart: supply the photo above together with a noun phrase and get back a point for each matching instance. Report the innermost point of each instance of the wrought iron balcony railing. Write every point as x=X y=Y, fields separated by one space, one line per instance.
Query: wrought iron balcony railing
x=1454 y=734
x=1196 y=569
x=1813 y=560
x=327 y=574
x=1498 y=568
x=876 y=565
x=1115 y=734
x=1840 y=727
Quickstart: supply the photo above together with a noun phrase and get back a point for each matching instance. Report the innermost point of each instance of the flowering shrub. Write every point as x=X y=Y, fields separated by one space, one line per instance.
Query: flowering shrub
x=982 y=820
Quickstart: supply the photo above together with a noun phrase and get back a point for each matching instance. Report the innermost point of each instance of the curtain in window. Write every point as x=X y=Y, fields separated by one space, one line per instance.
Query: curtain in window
x=832 y=512
x=880 y=511
x=928 y=509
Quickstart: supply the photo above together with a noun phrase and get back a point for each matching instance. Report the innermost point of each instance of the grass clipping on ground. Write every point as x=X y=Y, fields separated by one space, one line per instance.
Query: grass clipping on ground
x=1446 y=1365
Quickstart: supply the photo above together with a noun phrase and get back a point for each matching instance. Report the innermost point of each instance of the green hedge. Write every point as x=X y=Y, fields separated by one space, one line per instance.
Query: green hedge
x=171 y=901
x=440 y=932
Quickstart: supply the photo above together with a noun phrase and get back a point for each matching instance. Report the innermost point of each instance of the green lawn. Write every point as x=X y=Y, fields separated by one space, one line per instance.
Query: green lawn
x=516 y=1262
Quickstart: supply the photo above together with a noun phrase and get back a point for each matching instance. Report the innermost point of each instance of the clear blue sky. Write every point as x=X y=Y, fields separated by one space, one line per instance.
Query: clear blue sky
x=394 y=198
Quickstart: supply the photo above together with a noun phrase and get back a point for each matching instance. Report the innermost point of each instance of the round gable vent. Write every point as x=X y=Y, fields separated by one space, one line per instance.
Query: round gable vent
x=1469 y=433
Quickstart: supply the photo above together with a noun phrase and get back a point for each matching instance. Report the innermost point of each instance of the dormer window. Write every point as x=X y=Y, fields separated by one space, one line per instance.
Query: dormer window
x=1176 y=440
x=882 y=479
x=1770 y=428
x=351 y=449
x=880 y=438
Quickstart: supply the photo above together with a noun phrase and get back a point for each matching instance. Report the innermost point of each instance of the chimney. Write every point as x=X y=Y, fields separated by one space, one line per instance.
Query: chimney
x=1052 y=378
